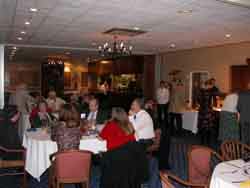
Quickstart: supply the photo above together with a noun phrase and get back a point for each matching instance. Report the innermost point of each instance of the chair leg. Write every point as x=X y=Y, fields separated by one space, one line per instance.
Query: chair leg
x=24 y=180
x=57 y=184
x=85 y=185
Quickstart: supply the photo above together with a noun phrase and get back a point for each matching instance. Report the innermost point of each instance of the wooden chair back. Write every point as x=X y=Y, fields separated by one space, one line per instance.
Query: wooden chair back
x=20 y=164
x=232 y=150
x=71 y=167
x=165 y=181
x=199 y=164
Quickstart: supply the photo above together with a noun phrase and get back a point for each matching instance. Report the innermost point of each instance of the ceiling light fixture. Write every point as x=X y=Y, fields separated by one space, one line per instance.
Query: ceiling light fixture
x=172 y=45
x=67 y=53
x=136 y=28
x=23 y=32
x=19 y=38
x=228 y=35
x=14 y=48
x=33 y=9
x=115 y=50
x=185 y=11
x=27 y=23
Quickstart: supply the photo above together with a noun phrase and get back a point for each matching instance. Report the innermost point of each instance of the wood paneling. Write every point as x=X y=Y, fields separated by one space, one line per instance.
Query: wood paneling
x=149 y=76
x=67 y=79
x=240 y=77
x=84 y=79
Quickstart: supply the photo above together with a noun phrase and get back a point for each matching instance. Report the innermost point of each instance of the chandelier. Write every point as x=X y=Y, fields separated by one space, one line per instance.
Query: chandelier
x=115 y=50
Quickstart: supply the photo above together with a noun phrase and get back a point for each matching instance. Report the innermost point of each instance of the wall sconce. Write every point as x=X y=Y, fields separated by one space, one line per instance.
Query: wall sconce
x=67 y=69
x=105 y=62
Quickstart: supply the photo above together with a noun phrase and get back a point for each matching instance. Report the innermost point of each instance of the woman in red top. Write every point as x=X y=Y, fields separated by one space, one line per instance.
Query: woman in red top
x=118 y=131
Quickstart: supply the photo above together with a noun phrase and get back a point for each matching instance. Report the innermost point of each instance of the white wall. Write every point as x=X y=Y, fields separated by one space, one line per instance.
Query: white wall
x=217 y=60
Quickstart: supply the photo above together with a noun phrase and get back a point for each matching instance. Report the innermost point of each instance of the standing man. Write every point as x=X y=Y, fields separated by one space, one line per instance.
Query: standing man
x=22 y=99
x=244 y=109
x=162 y=96
x=177 y=106
x=215 y=91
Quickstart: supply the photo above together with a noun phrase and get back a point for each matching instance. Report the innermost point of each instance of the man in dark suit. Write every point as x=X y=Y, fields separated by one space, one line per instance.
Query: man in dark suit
x=95 y=113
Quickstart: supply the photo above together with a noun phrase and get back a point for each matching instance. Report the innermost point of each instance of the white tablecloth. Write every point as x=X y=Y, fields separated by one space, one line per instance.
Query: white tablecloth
x=190 y=121
x=39 y=147
x=228 y=175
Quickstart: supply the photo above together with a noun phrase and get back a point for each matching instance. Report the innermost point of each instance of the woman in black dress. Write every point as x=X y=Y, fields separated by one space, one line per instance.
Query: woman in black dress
x=206 y=116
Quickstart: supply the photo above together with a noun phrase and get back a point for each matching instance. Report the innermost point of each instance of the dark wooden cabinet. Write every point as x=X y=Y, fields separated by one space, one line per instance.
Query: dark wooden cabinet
x=240 y=77
x=53 y=76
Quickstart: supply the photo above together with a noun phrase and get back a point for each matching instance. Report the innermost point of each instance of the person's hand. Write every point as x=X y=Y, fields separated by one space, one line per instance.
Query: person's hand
x=131 y=113
x=15 y=118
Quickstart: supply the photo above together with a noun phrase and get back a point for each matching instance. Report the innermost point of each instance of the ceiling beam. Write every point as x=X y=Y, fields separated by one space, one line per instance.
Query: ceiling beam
x=52 y=47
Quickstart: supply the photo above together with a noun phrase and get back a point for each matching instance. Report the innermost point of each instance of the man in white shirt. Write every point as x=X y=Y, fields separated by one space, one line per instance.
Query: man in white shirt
x=141 y=121
x=162 y=97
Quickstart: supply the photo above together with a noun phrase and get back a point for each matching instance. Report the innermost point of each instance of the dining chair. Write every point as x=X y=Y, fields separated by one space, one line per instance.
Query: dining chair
x=14 y=165
x=156 y=142
x=199 y=167
x=232 y=150
x=70 y=167
x=165 y=182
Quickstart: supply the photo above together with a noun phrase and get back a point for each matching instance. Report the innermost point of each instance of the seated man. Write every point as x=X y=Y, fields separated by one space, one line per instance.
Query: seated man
x=95 y=113
x=144 y=131
x=54 y=103
x=141 y=120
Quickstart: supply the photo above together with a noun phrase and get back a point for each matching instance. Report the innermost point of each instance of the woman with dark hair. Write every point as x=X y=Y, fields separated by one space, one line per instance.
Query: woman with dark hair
x=41 y=116
x=67 y=133
x=206 y=115
x=118 y=131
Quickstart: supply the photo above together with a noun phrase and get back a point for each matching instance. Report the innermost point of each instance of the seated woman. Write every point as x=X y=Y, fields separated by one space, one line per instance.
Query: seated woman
x=118 y=131
x=41 y=115
x=67 y=133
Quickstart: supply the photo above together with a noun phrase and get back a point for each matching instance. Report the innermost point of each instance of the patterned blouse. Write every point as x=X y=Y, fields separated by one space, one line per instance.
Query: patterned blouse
x=66 y=138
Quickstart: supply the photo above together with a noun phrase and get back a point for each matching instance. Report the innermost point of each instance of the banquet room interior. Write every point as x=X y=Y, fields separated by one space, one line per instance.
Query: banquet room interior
x=129 y=94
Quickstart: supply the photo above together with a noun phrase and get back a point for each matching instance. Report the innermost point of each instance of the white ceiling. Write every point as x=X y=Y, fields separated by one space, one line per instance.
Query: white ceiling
x=79 y=23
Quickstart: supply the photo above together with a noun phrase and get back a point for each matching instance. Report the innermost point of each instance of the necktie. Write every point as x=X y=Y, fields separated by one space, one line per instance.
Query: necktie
x=92 y=116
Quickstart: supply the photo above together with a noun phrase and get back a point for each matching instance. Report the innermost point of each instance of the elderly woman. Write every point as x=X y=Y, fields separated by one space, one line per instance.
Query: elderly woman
x=41 y=116
x=67 y=133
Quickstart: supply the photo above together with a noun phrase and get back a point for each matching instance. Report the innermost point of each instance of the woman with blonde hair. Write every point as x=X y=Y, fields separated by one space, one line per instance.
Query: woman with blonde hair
x=118 y=131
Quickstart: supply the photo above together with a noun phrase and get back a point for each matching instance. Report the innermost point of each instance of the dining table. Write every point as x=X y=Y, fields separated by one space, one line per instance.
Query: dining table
x=231 y=174
x=39 y=147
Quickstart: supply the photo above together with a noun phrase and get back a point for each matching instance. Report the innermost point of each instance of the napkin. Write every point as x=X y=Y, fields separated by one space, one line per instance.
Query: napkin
x=245 y=184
